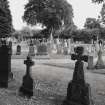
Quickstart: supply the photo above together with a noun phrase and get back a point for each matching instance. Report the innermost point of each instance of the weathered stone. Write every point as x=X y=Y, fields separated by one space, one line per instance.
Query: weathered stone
x=31 y=50
x=5 y=64
x=100 y=64
x=78 y=91
x=90 y=62
x=18 y=52
x=27 y=86
x=42 y=50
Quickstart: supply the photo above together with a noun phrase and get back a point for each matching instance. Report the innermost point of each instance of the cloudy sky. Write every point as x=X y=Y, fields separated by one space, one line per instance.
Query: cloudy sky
x=81 y=8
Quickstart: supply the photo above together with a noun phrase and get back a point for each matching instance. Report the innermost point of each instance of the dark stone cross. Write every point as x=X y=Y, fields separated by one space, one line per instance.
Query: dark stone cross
x=78 y=75
x=78 y=91
x=27 y=87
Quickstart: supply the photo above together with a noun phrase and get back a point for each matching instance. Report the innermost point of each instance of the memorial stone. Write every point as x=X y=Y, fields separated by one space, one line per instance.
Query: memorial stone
x=27 y=86
x=100 y=63
x=78 y=91
x=42 y=49
x=5 y=64
x=31 y=50
x=90 y=62
x=18 y=52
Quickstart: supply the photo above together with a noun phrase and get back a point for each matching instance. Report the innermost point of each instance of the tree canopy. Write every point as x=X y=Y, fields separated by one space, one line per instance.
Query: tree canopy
x=103 y=13
x=50 y=13
x=92 y=23
x=5 y=19
x=98 y=1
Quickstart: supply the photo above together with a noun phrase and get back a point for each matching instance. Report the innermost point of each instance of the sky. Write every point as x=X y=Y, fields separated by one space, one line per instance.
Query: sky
x=81 y=9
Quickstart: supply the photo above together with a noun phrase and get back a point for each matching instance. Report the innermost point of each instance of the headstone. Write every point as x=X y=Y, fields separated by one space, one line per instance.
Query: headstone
x=10 y=54
x=65 y=50
x=31 y=50
x=90 y=62
x=69 y=45
x=18 y=52
x=42 y=49
x=5 y=64
x=78 y=91
x=100 y=64
x=27 y=86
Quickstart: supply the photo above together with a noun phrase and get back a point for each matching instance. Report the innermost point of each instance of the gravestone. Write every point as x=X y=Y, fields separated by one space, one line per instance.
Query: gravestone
x=90 y=62
x=10 y=54
x=5 y=64
x=27 y=86
x=78 y=91
x=100 y=63
x=18 y=51
x=31 y=50
x=42 y=49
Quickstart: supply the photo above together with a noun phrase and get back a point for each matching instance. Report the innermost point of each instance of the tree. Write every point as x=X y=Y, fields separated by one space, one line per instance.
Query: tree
x=5 y=19
x=92 y=23
x=103 y=14
x=50 y=13
x=97 y=1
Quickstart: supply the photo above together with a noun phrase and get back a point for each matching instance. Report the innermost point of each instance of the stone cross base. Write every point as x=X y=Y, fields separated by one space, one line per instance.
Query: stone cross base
x=27 y=87
x=78 y=94
x=99 y=66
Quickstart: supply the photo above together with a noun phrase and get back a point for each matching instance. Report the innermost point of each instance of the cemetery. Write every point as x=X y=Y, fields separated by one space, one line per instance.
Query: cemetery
x=56 y=65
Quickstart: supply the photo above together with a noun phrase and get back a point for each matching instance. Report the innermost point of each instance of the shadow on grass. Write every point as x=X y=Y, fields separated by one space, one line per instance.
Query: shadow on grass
x=67 y=65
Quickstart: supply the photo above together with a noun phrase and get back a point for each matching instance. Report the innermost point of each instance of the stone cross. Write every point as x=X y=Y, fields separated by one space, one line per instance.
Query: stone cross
x=27 y=86
x=28 y=63
x=78 y=75
x=78 y=92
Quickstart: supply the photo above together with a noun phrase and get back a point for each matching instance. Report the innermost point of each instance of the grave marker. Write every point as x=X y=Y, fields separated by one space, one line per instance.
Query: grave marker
x=18 y=51
x=31 y=50
x=100 y=63
x=42 y=49
x=27 y=86
x=5 y=64
x=78 y=91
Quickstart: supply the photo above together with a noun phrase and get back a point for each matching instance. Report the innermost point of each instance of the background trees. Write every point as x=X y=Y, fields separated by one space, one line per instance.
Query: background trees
x=53 y=14
x=5 y=19
x=91 y=23
x=98 y=1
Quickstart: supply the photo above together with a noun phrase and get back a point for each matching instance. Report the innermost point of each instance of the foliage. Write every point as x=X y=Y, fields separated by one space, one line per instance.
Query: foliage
x=65 y=32
x=50 y=13
x=85 y=35
x=92 y=23
x=103 y=13
x=102 y=33
x=97 y=1
x=5 y=19
x=26 y=32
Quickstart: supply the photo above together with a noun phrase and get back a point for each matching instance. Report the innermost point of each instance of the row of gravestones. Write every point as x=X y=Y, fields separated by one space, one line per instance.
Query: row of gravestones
x=41 y=50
